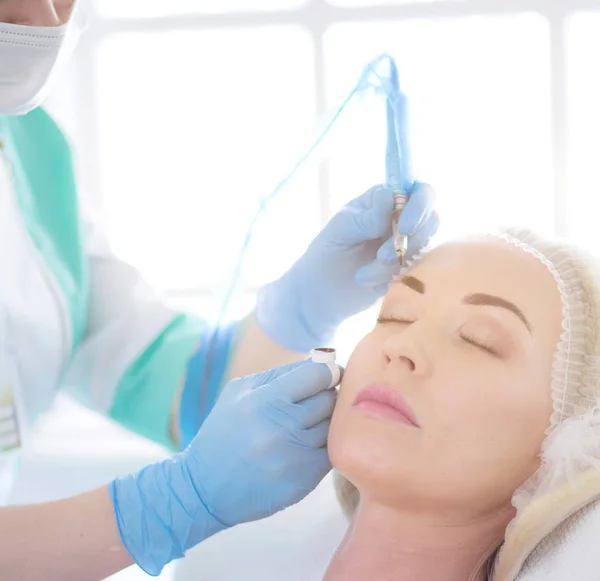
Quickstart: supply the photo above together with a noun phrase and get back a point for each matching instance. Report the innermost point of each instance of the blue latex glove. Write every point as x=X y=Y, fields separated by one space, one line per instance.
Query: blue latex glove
x=261 y=449
x=345 y=270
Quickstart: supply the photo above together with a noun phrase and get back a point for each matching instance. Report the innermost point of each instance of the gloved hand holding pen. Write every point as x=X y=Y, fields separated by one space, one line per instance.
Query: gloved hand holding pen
x=261 y=449
x=346 y=268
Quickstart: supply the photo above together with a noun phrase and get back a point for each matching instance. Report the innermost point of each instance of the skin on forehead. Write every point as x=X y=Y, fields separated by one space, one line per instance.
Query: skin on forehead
x=493 y=267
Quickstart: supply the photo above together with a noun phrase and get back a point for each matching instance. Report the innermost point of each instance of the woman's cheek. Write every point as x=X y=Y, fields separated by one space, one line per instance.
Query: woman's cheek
x=360 y=370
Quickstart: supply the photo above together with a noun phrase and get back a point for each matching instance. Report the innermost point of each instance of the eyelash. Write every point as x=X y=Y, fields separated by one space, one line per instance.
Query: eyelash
x=479 y=344
x=393 y=320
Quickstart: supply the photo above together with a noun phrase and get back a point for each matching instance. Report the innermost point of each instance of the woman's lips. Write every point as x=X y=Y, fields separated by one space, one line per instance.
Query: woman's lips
x=386 y=403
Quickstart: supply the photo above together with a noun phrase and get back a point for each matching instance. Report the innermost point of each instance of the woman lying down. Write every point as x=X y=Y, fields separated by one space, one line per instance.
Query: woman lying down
x=467 y=427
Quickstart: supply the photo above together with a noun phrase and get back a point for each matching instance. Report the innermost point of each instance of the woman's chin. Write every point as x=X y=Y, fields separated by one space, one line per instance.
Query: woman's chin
x=370 y=449
x=367 y=468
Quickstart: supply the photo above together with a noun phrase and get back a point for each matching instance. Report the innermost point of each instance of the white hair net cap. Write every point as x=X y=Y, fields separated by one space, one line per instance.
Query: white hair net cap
x=568 y=478
x=569 y=474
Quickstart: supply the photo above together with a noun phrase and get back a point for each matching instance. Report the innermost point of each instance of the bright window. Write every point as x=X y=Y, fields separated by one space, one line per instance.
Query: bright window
x=189 y=128
x=480 y=114
x=160 y=8
x=371 y=3
x=583 y=97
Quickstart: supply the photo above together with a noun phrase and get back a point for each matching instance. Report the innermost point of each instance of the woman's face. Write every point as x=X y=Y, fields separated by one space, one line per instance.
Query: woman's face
x=35 y=12
x=467 y=341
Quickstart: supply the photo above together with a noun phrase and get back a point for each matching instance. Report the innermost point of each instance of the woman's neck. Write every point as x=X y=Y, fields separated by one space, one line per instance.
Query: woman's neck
x=390 y=545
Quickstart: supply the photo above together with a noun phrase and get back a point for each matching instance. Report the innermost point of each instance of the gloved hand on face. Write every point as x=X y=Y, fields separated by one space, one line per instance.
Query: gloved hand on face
x=345 y=269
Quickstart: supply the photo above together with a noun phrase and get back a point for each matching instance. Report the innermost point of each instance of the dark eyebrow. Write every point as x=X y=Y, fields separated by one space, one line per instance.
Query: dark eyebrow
x=491 y=300
x=474 y=299
x=413 y=283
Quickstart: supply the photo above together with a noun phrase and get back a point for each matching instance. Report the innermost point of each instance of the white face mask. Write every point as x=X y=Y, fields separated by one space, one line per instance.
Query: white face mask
x=29 y=57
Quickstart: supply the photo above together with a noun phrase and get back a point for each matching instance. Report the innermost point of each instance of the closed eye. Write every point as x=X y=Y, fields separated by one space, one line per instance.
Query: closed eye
x=397 y=320
x=483 y=345
x=480 y=345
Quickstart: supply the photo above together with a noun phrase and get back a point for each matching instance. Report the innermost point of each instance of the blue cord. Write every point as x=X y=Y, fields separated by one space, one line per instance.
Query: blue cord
x=398 y=174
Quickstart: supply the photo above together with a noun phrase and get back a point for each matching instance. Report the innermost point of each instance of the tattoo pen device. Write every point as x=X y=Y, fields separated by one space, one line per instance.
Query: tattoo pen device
x=400 y=240
x=398 y=163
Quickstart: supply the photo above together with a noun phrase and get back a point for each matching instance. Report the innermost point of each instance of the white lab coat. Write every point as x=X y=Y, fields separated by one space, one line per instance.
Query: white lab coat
x=123 y=316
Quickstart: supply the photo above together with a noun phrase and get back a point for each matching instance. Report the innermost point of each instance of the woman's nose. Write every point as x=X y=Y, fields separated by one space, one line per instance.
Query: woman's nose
x=406 y=348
